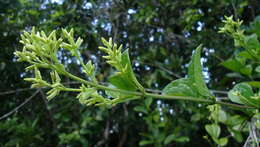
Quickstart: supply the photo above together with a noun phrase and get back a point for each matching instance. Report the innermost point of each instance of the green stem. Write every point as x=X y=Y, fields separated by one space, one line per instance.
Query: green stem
x=160 y=96
x=101 y=86
x=71 y=89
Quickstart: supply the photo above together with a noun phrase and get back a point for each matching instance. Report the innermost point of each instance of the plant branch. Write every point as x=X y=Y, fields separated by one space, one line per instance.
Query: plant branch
x=160 y=96
x=21 y=105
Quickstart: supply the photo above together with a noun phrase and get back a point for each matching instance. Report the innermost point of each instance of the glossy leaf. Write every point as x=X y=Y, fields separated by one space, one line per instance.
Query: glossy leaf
x=243 y=94
x=180 y=87
x=192 y=86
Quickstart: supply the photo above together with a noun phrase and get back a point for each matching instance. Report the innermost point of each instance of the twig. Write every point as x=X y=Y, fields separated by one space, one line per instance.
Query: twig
x=21 y=105
x=68 y=83
x=153 y=90
x=15 y=91
x=219 y=91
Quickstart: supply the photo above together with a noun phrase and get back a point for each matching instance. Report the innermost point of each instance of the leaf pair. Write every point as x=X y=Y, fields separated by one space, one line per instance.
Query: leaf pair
x=242 y=93
x=192 y=86
x=238 y=66
x=214 y=131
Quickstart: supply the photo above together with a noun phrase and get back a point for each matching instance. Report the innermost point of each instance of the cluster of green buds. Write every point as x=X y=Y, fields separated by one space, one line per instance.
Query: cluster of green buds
x=39 y=49
x=71 y=46
x=90 y=96
x=38 y=82
x=114 y=54
x=232 y=28
x=56 y=85
x=89 y=70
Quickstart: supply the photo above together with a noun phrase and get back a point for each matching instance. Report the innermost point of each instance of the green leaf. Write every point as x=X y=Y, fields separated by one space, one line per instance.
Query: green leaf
x=169 y=139
x=255 y=25
x=232 y=64
x=254 y=84
x=213 y=130
x=236 y=134
x=130 y=73
x=235 y=120
x=257 y=69
x=222 y=116
x=222 y=141
x=182 y=139
x=148 y=101
x=180 y=87
x=252 y=42
x=141 y=109
x=217 y=114
x=242 y=93
x=239 y=90
x=122 y=81
x=241 y=60
x=156 y=117
x=145 y=142
x=195 y=74
x=192 y=86
x=115 y=94
x=245 y=54
x=125 y=80
x=246 y=70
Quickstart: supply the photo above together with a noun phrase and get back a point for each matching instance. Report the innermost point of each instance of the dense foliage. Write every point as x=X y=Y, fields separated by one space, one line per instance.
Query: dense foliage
x=160 y=37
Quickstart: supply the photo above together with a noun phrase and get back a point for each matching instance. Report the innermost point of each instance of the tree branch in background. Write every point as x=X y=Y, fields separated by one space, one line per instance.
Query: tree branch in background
x=21 y=105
